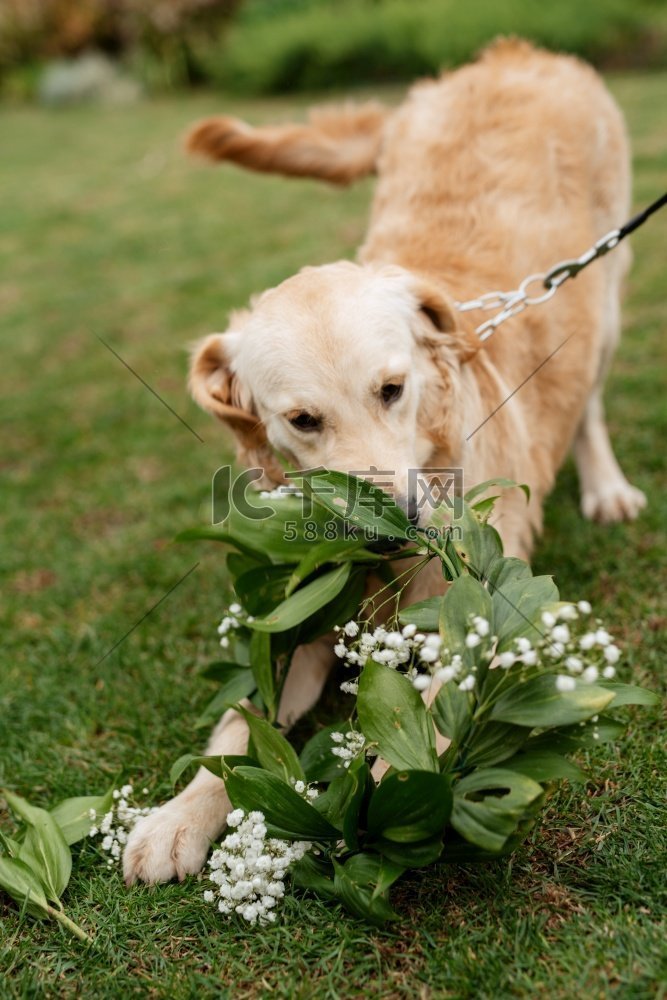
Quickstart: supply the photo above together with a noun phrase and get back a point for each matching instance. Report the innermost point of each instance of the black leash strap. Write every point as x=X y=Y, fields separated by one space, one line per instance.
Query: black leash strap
x=640 y=218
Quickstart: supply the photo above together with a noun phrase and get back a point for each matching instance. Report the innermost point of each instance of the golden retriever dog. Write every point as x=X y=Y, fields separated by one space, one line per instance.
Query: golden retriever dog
x=486 y=175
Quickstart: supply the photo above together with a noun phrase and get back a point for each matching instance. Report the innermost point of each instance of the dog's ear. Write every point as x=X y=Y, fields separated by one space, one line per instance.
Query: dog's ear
x=214 y=385
x=440 y=320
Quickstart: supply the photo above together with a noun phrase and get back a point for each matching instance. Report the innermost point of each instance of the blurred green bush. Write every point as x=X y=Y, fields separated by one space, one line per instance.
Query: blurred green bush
x=274 y=46
x=161 y=39
x=287 y=45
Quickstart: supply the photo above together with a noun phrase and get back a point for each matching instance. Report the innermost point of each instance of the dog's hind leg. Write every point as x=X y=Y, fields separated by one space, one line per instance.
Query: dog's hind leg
x=173 y=842
x=606 y=495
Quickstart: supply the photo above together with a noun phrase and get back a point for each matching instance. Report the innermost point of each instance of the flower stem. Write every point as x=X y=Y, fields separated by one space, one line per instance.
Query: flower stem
x=69 y=924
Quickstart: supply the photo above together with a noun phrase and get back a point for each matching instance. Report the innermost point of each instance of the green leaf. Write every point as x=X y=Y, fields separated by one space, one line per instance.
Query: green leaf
x=358 y=502
x=341 y=802
x=501 y=482
x=212 y=534
x=261 y=588
x=410 y=806
x=216 y=764
x=489 y=805
x=517 y=606
x=9 y=846
x=238 y=564
x=416 y=855
x=424 y=614
x=477 y=544
x=465 y=597
x=393 y=716
x=45 y=843
x=273 y=751
x=545 y=765
x=356 y=884
x=386 y=875
x=317 y=760
x=341 y=609
x=262 y=670
x=509 y=569
x=492 y=742
x=538 y=702
x=360 y=773
x=21 y=883
x=73 y=815
x=335 y=551
x=289 y=816
x=283 y=536
x=305 y=602
x=222 y=671
x=483 y=508
x=452 y=712
x=628 y=694
x=570 y=738
x=239 y=683
x=314 y=873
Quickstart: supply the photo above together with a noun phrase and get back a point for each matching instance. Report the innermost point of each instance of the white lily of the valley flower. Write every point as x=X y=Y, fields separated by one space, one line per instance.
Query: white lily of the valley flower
x=349 y=747
x=249 y=870
x=560 y=633
x=590 y=675
x=507 y=659
x=422 y=682
x=481 y=625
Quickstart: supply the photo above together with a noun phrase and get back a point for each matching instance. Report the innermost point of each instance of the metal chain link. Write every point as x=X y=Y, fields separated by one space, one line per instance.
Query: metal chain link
x=512 y=303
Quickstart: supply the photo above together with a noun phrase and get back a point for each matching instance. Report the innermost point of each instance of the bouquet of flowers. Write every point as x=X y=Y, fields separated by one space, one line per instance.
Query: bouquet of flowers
x=458 y=715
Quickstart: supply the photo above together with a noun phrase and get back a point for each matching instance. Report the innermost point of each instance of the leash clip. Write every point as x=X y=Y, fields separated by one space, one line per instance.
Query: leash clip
x=511 y=303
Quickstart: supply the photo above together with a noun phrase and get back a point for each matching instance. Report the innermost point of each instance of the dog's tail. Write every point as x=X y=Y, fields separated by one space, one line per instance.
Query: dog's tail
x=338 y=144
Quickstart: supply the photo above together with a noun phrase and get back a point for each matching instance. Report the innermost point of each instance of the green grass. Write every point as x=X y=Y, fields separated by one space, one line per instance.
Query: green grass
x=109 y=232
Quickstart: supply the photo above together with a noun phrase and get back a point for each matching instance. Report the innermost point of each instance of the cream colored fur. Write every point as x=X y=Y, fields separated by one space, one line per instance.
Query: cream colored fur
x=490 y=173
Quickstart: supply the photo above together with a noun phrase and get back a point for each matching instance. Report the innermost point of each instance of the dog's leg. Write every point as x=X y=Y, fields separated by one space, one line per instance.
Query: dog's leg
x=606 y=495
x=174 y=841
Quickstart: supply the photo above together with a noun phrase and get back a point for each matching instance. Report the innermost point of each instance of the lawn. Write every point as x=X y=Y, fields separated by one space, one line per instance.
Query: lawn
x=109 y=232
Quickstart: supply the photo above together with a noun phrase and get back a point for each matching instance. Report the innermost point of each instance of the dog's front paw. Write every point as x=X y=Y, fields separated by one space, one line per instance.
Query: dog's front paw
x=165 y=845
x=617 y=502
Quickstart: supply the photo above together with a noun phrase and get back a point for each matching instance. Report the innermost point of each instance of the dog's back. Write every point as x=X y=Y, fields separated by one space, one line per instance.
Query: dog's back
x=500 y=168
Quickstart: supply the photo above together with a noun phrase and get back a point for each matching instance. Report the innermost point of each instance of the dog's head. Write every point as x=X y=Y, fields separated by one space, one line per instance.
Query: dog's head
x=342 y=366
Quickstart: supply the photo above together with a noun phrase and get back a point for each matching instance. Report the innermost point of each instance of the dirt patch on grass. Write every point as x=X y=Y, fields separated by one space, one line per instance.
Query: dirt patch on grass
x=32 y=581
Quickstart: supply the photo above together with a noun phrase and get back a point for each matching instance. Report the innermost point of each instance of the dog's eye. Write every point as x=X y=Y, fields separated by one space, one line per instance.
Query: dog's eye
x=305 y=422
x=391 y=392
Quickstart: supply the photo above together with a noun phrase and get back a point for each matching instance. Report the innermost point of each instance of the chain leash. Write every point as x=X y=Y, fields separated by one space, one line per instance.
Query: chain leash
x=512 y=303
